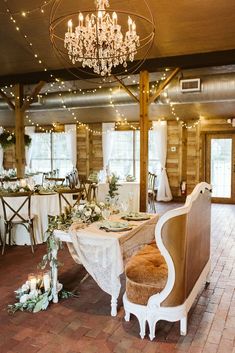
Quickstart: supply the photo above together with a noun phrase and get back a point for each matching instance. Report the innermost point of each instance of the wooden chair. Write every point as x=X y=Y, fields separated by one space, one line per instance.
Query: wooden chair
x=82 y=181
x=152 y=178
x=64 y=196
x=163 y=279
x=15 y=215
x=91 y=191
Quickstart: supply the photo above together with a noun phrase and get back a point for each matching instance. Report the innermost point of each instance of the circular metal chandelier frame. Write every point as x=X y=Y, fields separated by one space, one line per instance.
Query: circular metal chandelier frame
x=57 y=41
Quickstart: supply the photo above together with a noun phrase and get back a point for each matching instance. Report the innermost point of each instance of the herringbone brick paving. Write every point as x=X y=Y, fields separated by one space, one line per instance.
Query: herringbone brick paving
x=84 y=324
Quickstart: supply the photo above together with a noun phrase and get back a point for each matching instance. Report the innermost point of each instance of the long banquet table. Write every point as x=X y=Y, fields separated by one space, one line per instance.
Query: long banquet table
x=103 y=254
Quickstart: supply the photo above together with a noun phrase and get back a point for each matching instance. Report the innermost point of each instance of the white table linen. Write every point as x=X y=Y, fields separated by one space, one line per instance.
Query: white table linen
x=103 y=254
x=128 y=191
x=41 y=207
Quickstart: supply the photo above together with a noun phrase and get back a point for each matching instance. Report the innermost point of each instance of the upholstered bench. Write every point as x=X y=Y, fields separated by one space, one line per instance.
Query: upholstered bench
x=146 y=274
x=164 y=278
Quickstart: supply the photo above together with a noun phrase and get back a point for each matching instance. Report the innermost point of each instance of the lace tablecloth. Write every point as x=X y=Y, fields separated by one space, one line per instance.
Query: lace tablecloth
x=103 y=254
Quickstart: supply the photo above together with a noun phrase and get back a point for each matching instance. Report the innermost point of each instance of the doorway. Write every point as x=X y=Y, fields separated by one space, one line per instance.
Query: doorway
x=220 y=166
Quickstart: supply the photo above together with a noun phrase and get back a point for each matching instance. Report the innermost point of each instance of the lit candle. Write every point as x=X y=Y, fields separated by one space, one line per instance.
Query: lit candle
x=114 y=18
x=23 y=183
x=130 y=24
x=80 y=19
x=100 y=14
x=32 y=282
x=70 y=26
x=47 y=281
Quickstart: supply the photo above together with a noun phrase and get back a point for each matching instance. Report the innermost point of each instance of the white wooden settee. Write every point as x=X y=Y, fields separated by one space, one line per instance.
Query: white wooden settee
x=163 y=281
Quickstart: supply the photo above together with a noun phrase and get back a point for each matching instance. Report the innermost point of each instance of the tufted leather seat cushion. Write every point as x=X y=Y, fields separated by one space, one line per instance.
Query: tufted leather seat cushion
x=146 y=274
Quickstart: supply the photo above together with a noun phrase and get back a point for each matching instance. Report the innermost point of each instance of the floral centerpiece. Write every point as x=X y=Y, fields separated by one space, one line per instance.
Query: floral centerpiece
x=88 y=212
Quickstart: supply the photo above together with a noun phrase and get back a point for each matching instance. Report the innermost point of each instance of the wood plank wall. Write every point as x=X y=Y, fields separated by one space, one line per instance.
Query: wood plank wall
x=89 y=147
x=185 y=151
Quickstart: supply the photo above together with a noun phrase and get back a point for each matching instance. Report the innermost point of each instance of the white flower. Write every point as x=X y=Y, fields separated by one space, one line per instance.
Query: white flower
x=97 y=210
x=24 y=298
x=9 y=138
x=81 y=207
x=25 y=287
x=101 y=204
x=33 y=294
x=21 y=190
x=87 y=213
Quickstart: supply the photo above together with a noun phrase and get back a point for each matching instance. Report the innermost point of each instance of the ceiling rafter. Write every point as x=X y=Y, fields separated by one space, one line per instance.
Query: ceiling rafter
x=163 y=85
x=32 y=96
x=7 y=99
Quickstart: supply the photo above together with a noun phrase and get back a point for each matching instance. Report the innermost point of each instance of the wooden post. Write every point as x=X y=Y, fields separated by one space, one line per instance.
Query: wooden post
x=144 y=125
x=19 y=131
x=87 y=134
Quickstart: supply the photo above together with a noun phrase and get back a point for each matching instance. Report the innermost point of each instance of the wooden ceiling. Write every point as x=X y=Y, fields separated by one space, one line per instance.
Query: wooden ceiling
x=183 y=28
x=189 y=34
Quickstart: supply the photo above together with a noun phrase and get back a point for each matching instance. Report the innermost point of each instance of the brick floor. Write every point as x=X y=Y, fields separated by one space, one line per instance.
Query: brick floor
x=84 y=324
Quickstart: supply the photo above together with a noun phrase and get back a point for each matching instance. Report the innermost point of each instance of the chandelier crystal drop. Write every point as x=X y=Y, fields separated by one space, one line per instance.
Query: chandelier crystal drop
x=98 y=42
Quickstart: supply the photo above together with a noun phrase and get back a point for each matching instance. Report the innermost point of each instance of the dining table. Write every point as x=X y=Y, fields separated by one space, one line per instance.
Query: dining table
x=104 y=254
x=42 y=205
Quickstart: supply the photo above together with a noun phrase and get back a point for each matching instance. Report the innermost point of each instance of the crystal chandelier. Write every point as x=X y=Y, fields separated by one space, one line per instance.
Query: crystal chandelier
x=98 y=42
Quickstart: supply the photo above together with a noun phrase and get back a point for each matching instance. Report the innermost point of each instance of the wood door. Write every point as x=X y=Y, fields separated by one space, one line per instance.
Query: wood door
x=220 y=166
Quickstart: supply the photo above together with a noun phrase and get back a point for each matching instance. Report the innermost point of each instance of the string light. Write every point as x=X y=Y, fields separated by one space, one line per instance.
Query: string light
x=57 y=80
x=24 y=13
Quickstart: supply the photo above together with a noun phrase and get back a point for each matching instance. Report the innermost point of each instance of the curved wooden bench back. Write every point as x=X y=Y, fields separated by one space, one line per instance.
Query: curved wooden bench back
x=187 y=239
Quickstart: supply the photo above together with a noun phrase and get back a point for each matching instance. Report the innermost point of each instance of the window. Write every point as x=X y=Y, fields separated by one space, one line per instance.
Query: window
x=50 y=152
x=125 y=158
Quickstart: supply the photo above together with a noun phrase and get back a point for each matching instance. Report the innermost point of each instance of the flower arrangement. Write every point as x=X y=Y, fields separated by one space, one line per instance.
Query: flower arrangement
x=88 y=212
x=130 y=178
x=8 y=139
x=113 y=185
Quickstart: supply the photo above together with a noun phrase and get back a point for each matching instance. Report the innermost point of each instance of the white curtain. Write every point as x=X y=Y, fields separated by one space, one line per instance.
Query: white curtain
x=1 y=151
x=71 y=135
x=107 y=143
x=29 y=130
x=164 y=191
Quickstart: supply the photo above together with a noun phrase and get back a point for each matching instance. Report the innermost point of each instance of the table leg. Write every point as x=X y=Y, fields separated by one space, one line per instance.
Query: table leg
x=114 y=306
x=54 y=279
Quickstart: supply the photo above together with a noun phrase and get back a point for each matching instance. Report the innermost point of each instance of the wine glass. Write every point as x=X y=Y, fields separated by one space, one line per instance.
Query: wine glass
x=106 y=213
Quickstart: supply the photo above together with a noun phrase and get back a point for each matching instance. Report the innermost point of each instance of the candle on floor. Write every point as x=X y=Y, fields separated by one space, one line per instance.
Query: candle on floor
x=32 y=282
x=23 y=183
x=47 y=281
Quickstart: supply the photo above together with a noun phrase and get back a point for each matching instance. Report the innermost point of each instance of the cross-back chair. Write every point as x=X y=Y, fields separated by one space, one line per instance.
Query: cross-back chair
x=70 y=197
x=17 y=213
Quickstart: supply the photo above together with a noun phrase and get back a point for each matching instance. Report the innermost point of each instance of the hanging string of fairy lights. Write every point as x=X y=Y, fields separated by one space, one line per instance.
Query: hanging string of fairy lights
x=122 y=119
x=26 y=12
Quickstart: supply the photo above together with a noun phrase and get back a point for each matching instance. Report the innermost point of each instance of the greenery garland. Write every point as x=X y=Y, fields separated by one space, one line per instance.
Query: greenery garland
x=7 y=139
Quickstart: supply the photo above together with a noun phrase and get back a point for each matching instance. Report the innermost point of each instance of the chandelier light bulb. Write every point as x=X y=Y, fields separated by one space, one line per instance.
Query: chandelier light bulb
x=70 y=26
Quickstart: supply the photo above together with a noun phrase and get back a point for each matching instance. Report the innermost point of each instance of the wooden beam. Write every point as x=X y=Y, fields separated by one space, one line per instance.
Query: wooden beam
x=19 y=131
x=32 y=96
x=7 y=99
x=144 y=127
x=128 y=91
x=189 y=61
x=163 y=85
